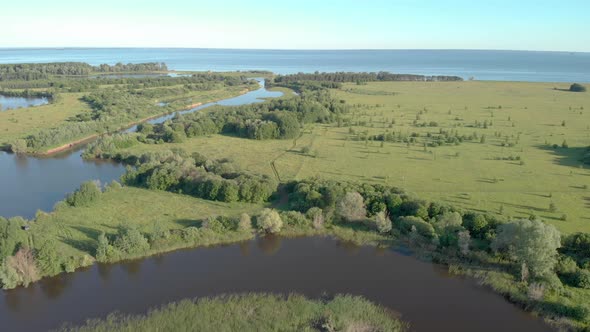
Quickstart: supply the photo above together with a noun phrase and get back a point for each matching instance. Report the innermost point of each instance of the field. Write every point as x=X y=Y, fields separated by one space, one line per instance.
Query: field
x=514 y=170
x=77 y=228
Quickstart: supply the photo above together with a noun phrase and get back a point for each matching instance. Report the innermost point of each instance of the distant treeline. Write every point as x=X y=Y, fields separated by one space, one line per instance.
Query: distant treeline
x=342 y=77
x=38 y=71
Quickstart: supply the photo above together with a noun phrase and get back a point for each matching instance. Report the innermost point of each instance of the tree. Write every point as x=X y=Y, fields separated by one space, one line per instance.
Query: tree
x=530 y=243
x=269 y=221
x=577 y=88
x=352 y=207
x=18 y=146
x=383 y=222
x=317 y=217
x=464 y=241
x=245 y=222
x=104 y=249
x=88 y=192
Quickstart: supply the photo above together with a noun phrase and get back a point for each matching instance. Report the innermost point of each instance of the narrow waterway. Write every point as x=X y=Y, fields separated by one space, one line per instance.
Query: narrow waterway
x=28 y=183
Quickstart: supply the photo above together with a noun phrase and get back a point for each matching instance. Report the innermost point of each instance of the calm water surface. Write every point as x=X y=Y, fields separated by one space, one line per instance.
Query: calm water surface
x=9 y=103
x=483 y=65
x=28 y=183
x=423 y=293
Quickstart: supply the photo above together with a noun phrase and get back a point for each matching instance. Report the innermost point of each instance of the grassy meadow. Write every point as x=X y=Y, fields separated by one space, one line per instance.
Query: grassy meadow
x=527 y=118
x=77 y=228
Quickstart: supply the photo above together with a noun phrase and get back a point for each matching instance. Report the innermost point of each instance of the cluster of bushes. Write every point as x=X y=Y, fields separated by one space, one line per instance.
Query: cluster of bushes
x=131 y=67
x=197 y=176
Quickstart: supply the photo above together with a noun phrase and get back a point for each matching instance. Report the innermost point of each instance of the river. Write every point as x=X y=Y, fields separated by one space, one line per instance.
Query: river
x=31 y=183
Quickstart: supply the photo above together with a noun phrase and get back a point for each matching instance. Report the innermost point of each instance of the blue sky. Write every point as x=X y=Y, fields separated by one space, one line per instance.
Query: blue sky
x=303 y=24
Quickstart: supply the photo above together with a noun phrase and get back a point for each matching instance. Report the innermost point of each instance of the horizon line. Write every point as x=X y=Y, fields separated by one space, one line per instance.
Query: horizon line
x=278 y=49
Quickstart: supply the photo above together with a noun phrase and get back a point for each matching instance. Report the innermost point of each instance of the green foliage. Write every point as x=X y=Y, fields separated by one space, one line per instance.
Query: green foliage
x=383 y=222
x=129 y=240
x=245 y=223
x=9 y=278
x=255 y=312
x=87 y=193
x=269 y=221
x=48 y=259
x=577 y=88
x=18 y=146
x=407 y=224
x=352 y=207
x=529 y=242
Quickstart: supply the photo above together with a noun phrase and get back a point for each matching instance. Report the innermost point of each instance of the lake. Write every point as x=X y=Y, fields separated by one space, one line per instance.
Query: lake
x=9 y=103
x=425 y=295
x=482 y=65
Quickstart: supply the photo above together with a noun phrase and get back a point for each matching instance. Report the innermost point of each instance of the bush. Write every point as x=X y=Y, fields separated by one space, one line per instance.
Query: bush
x=383 y=222
x=316 y=215
x=582 y=278
x=130 y=240
x=269 y=221
x=88 y=192
x=405 y=224
x=577 y=88
x=18 y=146
x=245 y=222
x=294 y=218
x=351 y=207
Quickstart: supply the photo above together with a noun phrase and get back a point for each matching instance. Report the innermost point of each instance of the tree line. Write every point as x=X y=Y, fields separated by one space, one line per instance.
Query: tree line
x=342 y=77
x=37 y=71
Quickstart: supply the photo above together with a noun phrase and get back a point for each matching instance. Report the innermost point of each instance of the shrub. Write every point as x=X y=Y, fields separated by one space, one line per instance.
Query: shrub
x=383 y=222
x=18 y=146
x=351 y=207
x=269 y=221
x=577 y=88
x=294 y=218
x=88 y=192
x=130 y=240
x=316 y=215
x=582 y=278
x=245 y=222
x=405 y=224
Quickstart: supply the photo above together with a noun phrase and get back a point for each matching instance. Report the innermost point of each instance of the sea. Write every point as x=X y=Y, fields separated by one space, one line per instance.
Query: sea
x=532 y=66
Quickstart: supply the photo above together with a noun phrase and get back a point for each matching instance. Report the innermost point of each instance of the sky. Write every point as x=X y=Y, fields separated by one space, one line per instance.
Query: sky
x=542 y=25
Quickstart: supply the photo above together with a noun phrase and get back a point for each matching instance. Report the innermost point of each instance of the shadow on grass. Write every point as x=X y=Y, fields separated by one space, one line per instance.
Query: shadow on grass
x=189 y=222
x=565 y=156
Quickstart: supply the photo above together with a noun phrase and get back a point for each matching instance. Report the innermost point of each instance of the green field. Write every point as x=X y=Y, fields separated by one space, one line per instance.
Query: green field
x=469 y=174
x=77 y=228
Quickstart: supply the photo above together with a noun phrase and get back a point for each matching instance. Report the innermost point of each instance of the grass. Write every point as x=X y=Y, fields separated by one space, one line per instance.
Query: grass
x=466 y=175
x=77 y=228
x=22 y=122
x=255 y=312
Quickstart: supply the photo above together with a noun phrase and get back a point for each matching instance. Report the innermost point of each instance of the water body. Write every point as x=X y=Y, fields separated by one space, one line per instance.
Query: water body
x=482 y=65
x=32 y=183
x=10 y=103
x=423 y=293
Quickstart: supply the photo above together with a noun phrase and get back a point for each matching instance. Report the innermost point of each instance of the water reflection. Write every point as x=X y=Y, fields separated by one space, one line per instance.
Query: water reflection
x=425 y=295
x=8 y=103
